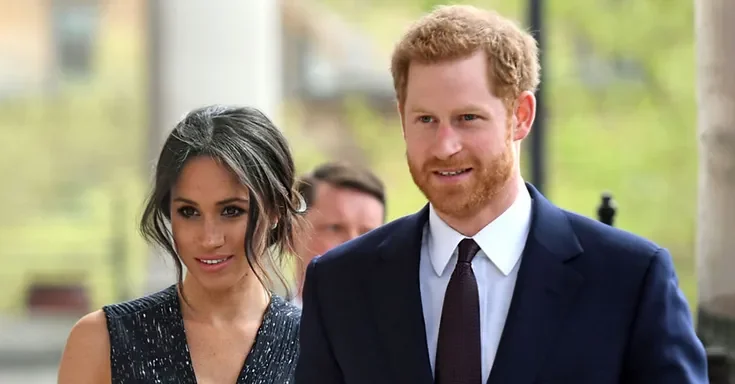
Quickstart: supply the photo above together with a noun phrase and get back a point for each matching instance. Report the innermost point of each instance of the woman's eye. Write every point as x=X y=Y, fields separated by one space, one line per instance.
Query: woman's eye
x=232 y=211
x=187 y=211
x=426 y=119
x=469 y=117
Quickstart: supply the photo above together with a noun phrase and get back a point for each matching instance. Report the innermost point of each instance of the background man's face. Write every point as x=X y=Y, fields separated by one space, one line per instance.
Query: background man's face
x=336 y=216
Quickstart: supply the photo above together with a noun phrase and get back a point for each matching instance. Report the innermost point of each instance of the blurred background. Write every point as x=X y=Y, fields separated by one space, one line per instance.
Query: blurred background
x=89 y=88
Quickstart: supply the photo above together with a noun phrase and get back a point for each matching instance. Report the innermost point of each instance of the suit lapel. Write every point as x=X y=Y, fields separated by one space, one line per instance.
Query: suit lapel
x=396 y=301
x=544 y=292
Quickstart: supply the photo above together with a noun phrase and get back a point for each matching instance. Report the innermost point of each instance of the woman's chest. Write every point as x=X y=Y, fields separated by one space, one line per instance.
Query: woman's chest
x=219 y=355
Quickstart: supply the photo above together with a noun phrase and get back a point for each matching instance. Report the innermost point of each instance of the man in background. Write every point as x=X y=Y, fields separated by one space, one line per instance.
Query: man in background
x=342 y=202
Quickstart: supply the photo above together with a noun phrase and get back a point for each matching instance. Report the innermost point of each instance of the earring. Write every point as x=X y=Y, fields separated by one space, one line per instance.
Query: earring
x=302 y=204
x=274 y=225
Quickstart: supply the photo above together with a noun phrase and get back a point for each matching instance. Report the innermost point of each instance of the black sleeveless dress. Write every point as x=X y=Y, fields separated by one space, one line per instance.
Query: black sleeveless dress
x=148 y=342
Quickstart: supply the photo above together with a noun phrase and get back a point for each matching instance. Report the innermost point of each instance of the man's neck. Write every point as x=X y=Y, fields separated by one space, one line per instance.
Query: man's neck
x=471 y=225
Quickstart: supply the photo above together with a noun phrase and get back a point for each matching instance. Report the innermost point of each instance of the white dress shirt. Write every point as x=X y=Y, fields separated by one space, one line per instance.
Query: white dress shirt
x=495 y=266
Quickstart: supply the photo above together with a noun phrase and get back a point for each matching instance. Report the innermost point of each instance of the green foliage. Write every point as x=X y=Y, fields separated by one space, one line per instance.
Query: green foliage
x=382 y=141
x=429 y=5
x=57 y=247
x=72 y=163
x=632 y=136
x=305 y=151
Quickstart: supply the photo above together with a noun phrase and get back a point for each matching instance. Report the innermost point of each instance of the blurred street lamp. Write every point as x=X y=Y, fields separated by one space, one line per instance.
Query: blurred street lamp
x=538 y=133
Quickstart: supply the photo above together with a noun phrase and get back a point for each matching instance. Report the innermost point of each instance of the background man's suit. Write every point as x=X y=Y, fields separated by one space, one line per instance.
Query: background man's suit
x=592 y=304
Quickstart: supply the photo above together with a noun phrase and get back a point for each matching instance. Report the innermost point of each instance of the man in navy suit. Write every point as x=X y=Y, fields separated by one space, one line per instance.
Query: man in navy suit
x=490 y=282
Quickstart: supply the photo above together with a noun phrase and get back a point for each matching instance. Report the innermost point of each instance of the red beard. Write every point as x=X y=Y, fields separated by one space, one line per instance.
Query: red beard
x=488 y=177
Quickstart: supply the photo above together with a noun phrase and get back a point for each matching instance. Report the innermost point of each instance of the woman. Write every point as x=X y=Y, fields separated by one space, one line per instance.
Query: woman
x=224 y=186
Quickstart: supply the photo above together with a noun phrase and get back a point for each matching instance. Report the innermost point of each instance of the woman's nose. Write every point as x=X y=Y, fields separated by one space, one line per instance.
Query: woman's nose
x=213 y=236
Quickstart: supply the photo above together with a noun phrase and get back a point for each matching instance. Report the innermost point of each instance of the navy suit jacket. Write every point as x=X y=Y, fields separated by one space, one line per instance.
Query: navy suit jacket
x=592 y=304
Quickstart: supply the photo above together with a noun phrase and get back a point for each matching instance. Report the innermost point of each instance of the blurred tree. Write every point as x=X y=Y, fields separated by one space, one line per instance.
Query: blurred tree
x=56 y=147
x=428 y=5
x=622 y=113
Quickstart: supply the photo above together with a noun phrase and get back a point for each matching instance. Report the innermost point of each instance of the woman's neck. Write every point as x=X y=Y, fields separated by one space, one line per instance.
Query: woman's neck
x=245 y=301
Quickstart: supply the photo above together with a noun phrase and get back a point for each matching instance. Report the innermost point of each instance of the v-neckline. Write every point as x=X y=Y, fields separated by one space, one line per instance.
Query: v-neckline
x=253 y=354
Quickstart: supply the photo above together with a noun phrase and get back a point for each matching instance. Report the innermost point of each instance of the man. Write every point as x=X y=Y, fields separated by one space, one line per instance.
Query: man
x=343 y=202
x=550 y=297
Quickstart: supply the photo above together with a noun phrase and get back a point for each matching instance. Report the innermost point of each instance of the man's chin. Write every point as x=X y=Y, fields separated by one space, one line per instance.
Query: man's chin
x=447 y=200
x=437 y=193
x=456 y=208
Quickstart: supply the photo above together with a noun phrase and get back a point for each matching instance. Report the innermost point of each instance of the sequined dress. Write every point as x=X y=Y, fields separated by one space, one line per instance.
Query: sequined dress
x=148 y=342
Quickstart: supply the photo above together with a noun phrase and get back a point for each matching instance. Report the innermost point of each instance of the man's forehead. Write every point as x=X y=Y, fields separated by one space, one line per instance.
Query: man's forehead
x=326 y=193
x=329 y=197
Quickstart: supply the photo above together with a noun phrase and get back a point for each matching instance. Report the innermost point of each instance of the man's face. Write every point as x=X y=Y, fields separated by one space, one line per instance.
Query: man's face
x=459 y=136
x=337 y=215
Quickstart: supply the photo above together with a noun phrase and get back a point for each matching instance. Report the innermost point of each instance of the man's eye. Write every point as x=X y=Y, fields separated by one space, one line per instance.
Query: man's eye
x=469 y=117
x=426 y=119
x=334 y=227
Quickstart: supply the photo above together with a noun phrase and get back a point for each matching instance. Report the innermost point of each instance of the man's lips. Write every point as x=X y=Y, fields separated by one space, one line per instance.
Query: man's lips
x=452 y=172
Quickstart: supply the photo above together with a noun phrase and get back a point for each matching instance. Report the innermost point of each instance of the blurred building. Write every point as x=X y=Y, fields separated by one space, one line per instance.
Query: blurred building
x=51 y=49
x=45 y=41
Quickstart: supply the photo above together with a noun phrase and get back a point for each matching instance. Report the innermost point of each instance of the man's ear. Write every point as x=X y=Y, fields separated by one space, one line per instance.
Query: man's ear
x=524 y=114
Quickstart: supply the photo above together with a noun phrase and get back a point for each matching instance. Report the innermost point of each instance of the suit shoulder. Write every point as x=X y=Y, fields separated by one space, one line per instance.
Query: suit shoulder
x=619 y=244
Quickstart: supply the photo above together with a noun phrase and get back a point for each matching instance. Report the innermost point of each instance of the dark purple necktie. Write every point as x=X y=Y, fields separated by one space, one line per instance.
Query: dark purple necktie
x=458 y=353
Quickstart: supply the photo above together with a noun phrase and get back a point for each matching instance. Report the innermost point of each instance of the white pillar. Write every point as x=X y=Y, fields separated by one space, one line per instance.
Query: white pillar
x=714 y=28
x=211 y=52
x=218 y=51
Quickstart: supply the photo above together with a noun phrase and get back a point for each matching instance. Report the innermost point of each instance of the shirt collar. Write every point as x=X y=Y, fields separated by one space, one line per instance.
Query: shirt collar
x=502 y=240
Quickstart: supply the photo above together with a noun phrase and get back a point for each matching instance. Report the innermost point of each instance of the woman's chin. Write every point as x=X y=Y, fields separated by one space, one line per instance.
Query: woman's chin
x=225 y=278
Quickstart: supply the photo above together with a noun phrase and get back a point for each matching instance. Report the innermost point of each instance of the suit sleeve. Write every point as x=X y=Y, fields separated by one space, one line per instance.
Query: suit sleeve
x=663 y=347
x=316 y=364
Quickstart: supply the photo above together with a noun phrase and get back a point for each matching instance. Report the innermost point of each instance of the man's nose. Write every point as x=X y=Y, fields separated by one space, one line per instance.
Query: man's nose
x=346 y=234
x=447 y=141
x=353 y=233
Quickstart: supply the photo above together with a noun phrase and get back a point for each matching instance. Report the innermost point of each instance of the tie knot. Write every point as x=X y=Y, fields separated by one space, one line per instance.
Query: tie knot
x=467 y=250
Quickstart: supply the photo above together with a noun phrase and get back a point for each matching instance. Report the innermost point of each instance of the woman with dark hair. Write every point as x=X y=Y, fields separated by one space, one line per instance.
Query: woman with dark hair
x=224 y=206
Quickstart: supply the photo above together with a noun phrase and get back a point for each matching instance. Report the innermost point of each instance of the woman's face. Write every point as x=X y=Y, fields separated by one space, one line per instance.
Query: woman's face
x=209 y=218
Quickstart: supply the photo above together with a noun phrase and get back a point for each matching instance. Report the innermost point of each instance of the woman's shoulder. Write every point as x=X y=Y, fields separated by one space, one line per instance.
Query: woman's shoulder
x=167 y=298
x=89 y=334
x=131 y=323
x=281 y=321
x=90 y=329
x=87 y=350
x=284 y=311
